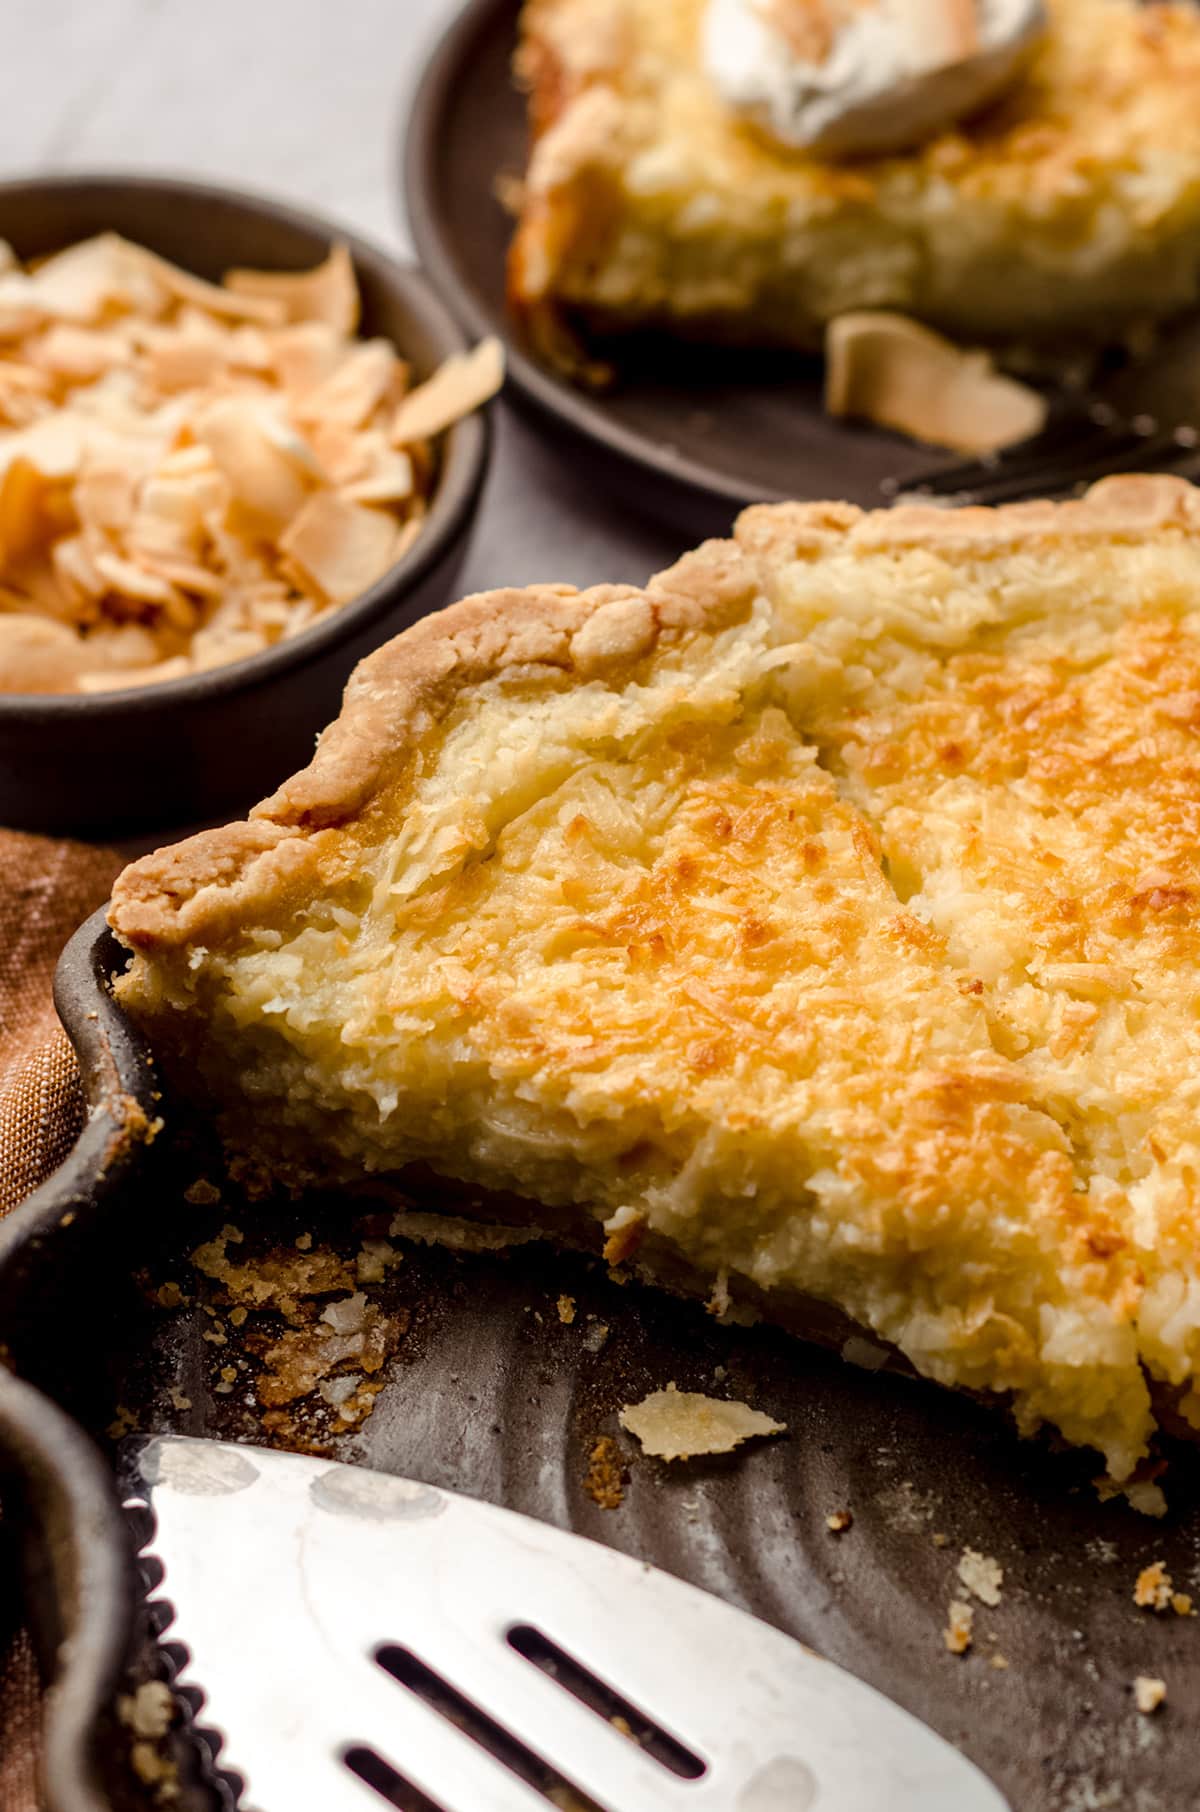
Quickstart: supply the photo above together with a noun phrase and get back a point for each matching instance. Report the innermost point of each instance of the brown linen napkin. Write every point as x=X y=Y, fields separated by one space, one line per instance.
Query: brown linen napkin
x=47 y=888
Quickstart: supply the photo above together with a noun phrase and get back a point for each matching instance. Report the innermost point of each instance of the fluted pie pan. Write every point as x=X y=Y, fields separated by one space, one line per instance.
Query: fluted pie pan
x=492 y=1392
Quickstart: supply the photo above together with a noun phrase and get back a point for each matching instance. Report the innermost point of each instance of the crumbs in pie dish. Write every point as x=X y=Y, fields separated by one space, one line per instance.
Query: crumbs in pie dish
x=676 y=1424
x=192 y=472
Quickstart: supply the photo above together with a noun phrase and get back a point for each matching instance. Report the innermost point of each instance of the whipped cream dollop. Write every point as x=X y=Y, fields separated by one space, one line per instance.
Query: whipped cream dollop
x=841 y=77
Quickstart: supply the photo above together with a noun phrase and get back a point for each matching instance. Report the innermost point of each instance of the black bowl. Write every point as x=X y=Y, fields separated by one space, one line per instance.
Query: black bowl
x=211 y=743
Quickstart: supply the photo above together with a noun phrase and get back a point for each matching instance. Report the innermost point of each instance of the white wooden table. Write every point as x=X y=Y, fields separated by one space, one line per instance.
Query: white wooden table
x=305 y=100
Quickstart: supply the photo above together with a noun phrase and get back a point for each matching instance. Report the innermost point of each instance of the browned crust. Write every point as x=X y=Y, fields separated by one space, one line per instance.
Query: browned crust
x=553 y=78
x=214 y=884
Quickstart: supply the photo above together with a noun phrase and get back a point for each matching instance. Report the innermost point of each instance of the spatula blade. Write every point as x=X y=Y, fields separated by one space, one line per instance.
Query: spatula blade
x=362 y=1640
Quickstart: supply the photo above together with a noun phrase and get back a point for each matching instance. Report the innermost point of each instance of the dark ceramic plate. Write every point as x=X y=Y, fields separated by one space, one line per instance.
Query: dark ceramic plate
x=210 y=744
x=688 y=431
x=489 y=1392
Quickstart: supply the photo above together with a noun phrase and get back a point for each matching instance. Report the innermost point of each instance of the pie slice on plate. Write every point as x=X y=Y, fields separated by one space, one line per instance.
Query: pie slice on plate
x=821 y=922
x=1068 y=210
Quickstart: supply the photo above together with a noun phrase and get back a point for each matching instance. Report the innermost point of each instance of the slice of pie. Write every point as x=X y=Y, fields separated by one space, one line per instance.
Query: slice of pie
x=1067 y=210
x=822 y=921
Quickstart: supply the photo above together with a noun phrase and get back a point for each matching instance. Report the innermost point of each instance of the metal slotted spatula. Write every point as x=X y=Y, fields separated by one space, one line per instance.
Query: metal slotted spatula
x=360 y=1640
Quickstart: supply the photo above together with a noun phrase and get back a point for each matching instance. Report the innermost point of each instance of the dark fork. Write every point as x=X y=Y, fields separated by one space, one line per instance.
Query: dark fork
x=1076 y=447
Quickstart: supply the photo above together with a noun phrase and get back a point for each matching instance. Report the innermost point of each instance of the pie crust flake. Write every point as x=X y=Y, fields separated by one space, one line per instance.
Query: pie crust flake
x=822 y=916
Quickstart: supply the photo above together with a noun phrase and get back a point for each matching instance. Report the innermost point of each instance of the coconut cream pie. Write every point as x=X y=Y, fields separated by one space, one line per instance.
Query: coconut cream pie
x=748 y=170
x=821 y=921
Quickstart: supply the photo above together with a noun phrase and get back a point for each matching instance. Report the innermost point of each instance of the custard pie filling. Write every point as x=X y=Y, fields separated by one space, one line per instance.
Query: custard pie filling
x=825 y=912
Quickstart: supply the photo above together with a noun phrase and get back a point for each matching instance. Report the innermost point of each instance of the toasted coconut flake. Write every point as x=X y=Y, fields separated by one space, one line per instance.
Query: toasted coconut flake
x=343 y=547
x=304 y=355
x=389 y=479
x=54 y=446
x=104 y=496
x=20 y=310
x=73 y=562
x=22 y=513
x=78 y=284
x=185 y=358
x=352 y=393
x=24 y=379
x=182 y=573
x=216 y=298
x=37 y=654
x=887 y=369
x=410 y=531
x=462 y=384
x=132 y=581
x=266 y=482
x=115 y=680
x=78 y=353
x=329 y=293
x=679 y=1424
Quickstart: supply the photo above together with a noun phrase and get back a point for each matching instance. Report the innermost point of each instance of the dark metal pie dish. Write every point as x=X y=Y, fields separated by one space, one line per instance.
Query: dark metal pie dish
x=490 y=1391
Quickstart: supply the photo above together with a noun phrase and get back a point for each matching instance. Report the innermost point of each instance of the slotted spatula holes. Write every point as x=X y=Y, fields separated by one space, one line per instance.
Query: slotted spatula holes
x=608 y=1704
x=388 y=1782
x=440 y=1696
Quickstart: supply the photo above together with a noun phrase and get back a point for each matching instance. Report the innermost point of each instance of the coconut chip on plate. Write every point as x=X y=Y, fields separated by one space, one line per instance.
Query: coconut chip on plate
x=193 y=471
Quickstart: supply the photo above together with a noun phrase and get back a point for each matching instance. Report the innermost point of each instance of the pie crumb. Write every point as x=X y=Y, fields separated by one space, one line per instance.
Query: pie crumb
x=676 y=1424
x=981 y=1575
x=838 y=1521
x=149 y=1711
x=605 y=1478
x=566 y=1310
x=958 y=1633
x=1148 y=1693
x=1153 y=1590
x=155 y=1770
x=999 y=1661
x=623 y=1234
x=1181 y=1604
